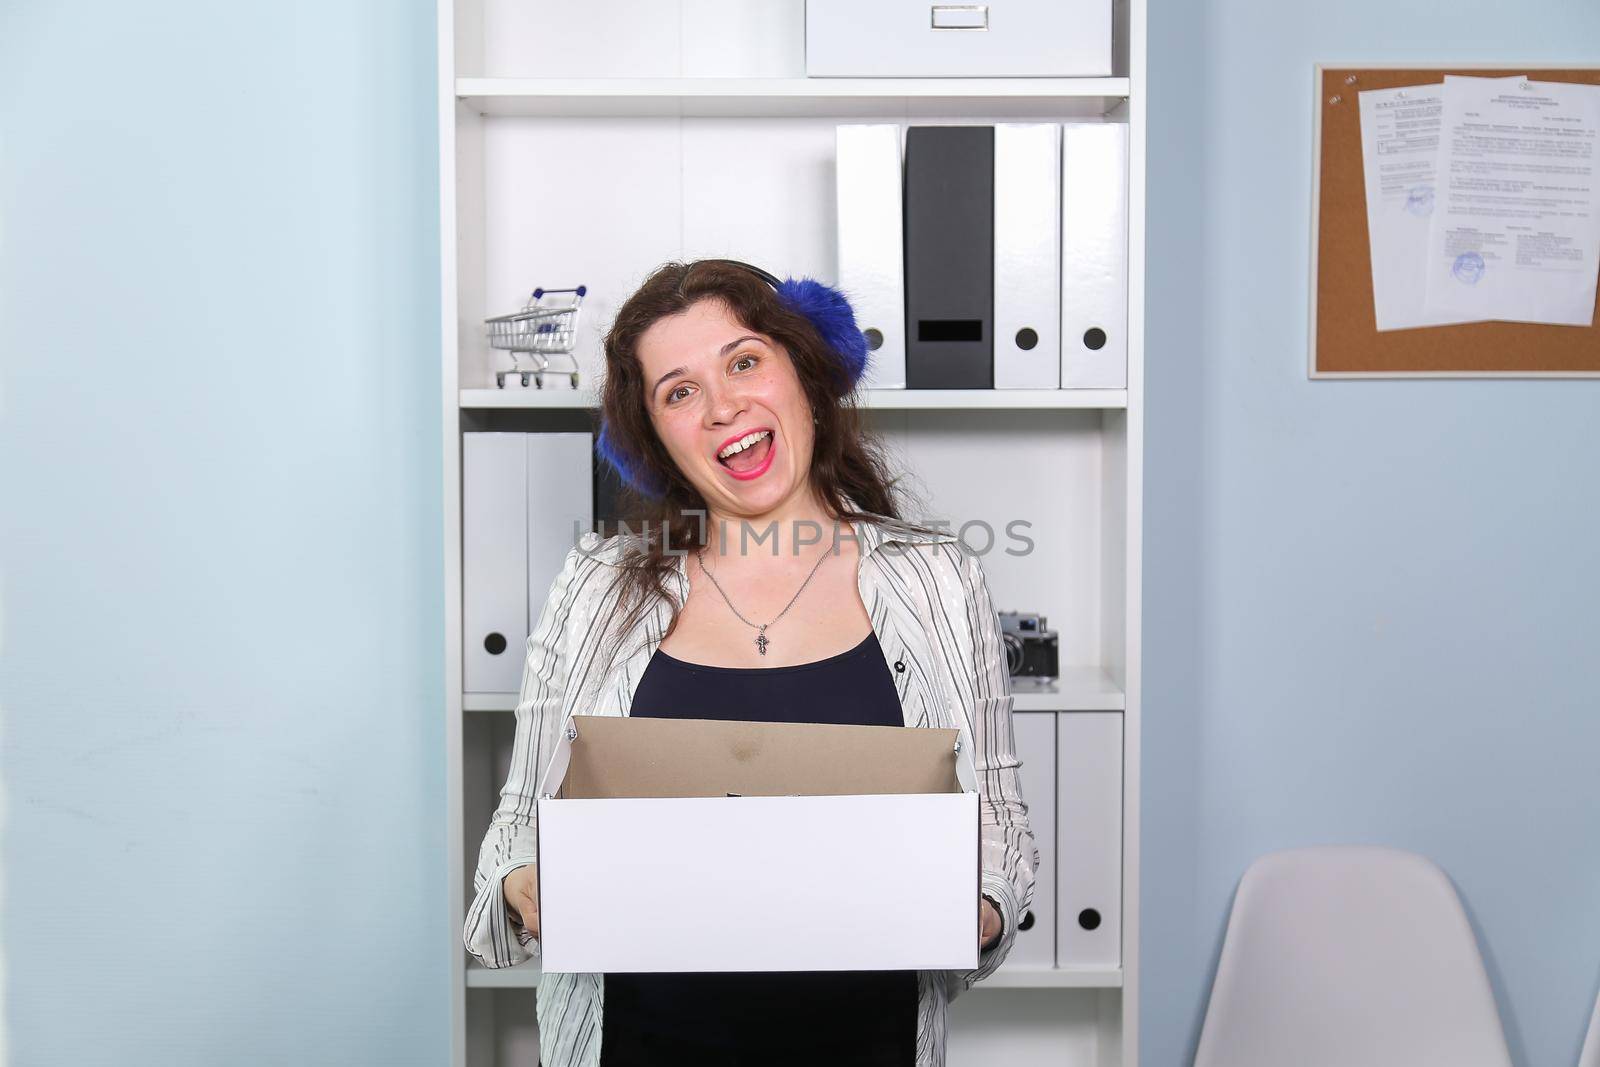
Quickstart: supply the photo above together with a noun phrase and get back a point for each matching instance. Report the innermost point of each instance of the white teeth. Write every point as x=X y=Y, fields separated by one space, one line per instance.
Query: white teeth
x=743 y=443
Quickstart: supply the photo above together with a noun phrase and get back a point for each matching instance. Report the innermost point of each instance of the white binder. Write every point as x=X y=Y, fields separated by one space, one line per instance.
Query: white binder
x=494 y=560
x=1027 y=256
x=1089 y=839
x=560 y=508
x=871 y=246
x=1035 y=946
x=1094 y=255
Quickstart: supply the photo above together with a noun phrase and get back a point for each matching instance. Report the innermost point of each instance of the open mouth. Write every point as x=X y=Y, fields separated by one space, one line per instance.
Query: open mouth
x=748 y=456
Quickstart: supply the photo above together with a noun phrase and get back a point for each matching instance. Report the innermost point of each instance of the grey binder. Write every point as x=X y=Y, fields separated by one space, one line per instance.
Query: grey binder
x=949 y=239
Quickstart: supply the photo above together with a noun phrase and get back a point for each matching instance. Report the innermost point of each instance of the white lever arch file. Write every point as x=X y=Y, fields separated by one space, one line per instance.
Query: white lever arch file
x=1094 y=255
x=560 y=508
x=1027 y=256
x=1035 y=946
x=871 y=246
x=494 y=560
x=1089 y=839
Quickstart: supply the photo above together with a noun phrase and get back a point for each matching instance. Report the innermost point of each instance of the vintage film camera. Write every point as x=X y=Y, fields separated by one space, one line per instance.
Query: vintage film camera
x=1031 y=650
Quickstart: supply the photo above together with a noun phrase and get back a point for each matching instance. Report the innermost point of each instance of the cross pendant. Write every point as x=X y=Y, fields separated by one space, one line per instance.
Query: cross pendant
x=761 y=640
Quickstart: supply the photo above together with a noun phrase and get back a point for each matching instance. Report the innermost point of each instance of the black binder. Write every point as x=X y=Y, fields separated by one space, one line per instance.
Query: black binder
x=949 y=257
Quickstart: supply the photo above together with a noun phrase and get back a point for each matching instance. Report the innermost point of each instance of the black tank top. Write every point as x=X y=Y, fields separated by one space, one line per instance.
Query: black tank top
x=742 y=1017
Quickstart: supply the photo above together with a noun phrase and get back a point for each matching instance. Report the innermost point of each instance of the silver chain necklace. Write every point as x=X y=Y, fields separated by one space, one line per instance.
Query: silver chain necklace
x=761 y=628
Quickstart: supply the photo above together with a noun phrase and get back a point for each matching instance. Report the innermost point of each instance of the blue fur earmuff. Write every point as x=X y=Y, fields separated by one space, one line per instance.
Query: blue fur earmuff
x=627 y=468
x=826 y=308
x=834 y=319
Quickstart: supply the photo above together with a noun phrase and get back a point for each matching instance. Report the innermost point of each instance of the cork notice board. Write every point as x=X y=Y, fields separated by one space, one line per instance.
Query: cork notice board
x=1345 y=341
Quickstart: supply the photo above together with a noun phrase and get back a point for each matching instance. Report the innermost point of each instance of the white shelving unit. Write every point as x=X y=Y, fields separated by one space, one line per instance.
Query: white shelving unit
x=586 y=144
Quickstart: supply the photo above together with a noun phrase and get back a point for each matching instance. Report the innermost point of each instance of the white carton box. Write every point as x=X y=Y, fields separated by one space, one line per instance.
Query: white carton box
x=705 y=845
x=998 y=39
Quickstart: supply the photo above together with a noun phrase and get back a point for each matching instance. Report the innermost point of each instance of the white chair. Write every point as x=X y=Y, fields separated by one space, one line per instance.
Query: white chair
x=1349 y=956
x=1590 y=1056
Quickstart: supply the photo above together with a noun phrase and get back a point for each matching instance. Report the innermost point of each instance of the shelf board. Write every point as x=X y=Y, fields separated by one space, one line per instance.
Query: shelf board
x=522 y=976
x=526 y=976
x=727 y=97
x=1078 y=689
x=870 y=399
x=488 y=701
x=546 y=399
x=992 y=399
x=1053 y=978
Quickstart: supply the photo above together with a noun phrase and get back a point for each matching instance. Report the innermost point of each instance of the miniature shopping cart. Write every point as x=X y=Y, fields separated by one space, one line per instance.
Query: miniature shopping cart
x=541 y=330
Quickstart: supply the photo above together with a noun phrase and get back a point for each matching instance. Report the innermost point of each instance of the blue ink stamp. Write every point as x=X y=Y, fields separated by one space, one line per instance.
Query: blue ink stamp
x=1468 y=268
x=1419 y=201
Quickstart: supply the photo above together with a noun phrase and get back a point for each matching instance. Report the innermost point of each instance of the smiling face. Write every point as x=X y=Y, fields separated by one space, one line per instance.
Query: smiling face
x=711 y=385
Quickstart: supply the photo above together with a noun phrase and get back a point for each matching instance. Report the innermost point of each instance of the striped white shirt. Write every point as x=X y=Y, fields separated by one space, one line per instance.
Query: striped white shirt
x=931 y=611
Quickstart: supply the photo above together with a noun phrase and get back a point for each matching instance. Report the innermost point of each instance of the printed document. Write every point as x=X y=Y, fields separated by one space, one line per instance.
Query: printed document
x=1515 y=232
x=1400 y=155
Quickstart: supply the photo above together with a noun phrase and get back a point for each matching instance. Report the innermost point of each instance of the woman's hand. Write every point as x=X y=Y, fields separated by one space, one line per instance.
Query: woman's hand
x=521 y=889
x=988 y=923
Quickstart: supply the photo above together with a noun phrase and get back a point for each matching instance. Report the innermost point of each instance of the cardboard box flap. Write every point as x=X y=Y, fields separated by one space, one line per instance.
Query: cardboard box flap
x=612 y=757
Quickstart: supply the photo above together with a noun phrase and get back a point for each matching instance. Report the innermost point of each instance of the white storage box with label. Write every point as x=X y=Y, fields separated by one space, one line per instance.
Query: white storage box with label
x=704 y=845
x=999 y=39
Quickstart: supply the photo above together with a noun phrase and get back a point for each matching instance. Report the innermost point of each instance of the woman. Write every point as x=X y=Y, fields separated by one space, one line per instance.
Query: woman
x=773 y=580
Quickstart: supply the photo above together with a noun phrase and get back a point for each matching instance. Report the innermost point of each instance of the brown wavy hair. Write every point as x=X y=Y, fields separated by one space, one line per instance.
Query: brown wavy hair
x=847 y=461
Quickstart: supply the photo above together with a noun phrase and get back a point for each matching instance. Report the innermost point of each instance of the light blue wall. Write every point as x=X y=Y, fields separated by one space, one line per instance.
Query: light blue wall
x=220 y=587
x=1371 y=607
